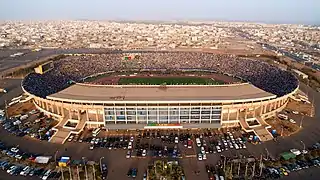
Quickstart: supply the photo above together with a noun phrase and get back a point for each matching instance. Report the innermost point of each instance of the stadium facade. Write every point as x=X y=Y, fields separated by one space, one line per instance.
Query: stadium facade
x=138 y=107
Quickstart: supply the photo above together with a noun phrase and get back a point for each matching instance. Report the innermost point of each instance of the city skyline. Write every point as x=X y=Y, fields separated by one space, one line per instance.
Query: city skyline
x=272 y=11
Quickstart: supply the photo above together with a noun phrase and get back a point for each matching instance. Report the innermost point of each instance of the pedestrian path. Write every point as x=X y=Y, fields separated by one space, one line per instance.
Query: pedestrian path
x=260 y=130
x=63 y=133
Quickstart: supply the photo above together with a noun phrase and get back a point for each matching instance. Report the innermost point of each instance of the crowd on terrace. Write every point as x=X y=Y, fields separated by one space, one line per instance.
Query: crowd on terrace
x=75 y=68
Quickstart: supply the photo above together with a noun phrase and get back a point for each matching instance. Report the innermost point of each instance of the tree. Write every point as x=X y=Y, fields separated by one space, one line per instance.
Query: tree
x=314 y=153
x=277 y=163
x=268 y=163
x=300 y=157
x=292 y=160
x=228 y=172
x=308 y=156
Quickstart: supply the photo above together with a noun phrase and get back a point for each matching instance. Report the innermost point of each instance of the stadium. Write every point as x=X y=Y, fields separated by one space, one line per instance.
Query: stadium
x=159 y=90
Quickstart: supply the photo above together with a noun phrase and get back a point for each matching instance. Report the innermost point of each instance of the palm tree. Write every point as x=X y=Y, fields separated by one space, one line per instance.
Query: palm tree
x=314 y=154
x=228 y=173
x=301 y=157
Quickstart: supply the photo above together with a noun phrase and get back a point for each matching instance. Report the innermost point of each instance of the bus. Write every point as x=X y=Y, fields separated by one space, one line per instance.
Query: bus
x=96 y=132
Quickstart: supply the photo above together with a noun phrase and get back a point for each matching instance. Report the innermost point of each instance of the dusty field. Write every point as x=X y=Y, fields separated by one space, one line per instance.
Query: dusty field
x=285 y=126
x=301 y=107
x=20 y=108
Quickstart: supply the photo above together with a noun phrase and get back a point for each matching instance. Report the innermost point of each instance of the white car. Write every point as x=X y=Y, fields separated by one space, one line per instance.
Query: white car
x=295 y=151
x=25 y=171
x=46 y=175
x=128 y=154
x=176 y=140
x=202 y=150
x=198 y=142
x=18 y=156
x=11 y=169
x=14 y=150
x=144 y=153
x=295 y=112
x=145 y=176
x=70 y=138
x=130 y=145
x=204 y=156
x=292 y=121
x=131 y=139
x=200 y=157
x=236 y=146
x=218 y=149
x=91 y=147
x=244 y=146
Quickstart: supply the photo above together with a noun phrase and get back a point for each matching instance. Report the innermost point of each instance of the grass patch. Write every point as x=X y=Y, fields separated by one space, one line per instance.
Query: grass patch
x=167 y=81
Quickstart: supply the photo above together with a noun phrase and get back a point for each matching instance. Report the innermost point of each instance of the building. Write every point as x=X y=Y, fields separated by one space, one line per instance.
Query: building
x=160 y=107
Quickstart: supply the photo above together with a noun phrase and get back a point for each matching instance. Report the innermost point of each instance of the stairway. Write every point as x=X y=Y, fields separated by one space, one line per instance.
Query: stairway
x=261 y=131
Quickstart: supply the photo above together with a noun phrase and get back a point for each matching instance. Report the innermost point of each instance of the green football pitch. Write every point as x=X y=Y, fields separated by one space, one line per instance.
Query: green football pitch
x=167 y=81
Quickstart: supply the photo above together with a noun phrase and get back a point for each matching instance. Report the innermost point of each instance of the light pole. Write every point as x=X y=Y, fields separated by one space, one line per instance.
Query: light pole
x=61 y=173
x=94 y=172
x=246 y=171
x=267 y=153
x=224 y=164
x=78 y=173
x=304 y=146
x=253 y=169
x=70 y=172
x=6 y=109
x=85 y=167
x=260 y=165
x=301 y=121
x=55 y=157
x=101 y=163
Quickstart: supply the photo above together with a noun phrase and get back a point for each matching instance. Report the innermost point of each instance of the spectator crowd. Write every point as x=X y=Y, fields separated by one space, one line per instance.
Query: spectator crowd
x=76 y=68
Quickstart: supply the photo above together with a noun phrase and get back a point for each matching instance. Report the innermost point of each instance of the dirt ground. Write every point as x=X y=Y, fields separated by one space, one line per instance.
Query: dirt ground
x=285 y=126
x=288 y=127
x=303 y=108
x=20 y=108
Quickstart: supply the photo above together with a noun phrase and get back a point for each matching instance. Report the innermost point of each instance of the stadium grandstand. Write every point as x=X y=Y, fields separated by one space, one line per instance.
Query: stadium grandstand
x=261 y=90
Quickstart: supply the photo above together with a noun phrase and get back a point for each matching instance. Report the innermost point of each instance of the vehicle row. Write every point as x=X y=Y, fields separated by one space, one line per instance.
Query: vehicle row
x=23 y=170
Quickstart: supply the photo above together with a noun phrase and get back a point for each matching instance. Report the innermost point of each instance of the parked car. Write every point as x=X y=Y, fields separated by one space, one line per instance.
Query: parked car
x=128 y=154
x=46 y=175
x=144 y=153
x=134 y=172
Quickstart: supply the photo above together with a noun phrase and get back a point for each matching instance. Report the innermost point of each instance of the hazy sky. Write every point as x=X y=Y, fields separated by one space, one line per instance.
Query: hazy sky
x=272 y=11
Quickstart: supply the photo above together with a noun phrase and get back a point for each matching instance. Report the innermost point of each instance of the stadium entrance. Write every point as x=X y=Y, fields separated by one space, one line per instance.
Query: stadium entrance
x=163 y=126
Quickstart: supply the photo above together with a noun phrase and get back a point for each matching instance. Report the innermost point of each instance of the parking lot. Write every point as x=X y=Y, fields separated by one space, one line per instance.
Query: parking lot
x=31 y=123
x=169 y=144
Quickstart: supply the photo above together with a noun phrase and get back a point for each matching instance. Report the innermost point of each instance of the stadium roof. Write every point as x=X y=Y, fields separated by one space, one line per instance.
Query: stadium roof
x=128 y=93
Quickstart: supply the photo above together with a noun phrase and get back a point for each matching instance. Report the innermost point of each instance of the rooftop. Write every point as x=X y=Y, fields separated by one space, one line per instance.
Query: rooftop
x=128 y=93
